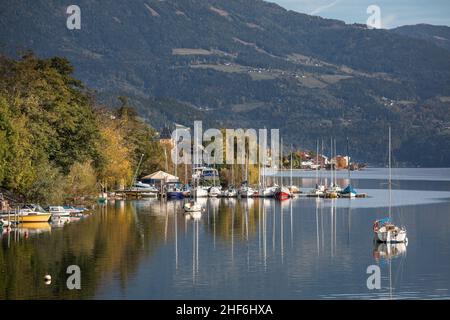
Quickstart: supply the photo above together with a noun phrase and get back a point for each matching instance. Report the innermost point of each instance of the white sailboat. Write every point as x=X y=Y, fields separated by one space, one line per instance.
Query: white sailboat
x=193 y=207
x=294 y=190
x=386 y=231
x=214 y=191
x=320 y=189
x=264 y=190
x=334 y=187
x=282 y=192
x=245 y=191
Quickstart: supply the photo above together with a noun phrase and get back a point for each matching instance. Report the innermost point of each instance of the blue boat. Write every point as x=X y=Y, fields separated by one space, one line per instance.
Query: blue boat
x=349 y=192
x=174 y=191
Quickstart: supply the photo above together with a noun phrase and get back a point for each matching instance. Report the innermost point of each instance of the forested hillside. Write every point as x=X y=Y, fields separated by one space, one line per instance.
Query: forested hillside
x=250 y=63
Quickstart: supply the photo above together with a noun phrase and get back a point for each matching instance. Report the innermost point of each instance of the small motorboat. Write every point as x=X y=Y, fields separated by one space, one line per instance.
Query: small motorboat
x=29 y=213
x=174 y=191
x=73 y=211
x=145 y=190
x=59 y=211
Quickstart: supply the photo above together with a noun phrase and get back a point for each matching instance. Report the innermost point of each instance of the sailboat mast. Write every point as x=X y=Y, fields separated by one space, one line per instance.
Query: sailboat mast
x=320 y=173
x=137 y=170
x=390 y=174
x=259 y=174
x=317 y=162
x=331 y=162
x=176 y=153
x=291 y=165
x=335 y=163
x=348 y=164
x=281 y=162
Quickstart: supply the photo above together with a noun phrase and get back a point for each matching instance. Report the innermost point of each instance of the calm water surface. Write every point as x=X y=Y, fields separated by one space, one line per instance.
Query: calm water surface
x=244 y=249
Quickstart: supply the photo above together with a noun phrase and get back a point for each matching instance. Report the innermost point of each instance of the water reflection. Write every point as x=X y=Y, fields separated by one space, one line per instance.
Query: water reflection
x=386 y=252
x=237 y=248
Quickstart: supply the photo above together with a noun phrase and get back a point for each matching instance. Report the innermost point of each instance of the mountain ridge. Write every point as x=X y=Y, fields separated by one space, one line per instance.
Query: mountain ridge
x=438 y=35
x=252 y=63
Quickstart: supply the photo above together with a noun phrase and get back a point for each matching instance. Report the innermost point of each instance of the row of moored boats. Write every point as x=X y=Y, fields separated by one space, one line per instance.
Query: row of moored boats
x=33 y=213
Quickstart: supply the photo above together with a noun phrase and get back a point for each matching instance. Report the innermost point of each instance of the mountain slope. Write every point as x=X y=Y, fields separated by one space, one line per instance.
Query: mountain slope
x=253 y=64
x=438 y=35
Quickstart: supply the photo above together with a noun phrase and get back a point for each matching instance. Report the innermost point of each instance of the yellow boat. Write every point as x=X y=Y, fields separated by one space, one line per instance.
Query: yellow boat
x=31 y=217
x=30 y=213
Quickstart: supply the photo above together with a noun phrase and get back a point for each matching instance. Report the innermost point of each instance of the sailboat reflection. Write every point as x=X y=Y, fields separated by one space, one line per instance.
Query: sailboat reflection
x=385 y=251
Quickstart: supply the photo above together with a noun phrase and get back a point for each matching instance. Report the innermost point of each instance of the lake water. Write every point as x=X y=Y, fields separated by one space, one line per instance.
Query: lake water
x=244 y=249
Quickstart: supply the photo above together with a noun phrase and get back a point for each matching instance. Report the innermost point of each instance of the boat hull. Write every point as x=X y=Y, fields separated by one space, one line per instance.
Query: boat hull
x=282 y=195
x=32 y=218
x=175 y=195
x=348 y=195
x=391 y=237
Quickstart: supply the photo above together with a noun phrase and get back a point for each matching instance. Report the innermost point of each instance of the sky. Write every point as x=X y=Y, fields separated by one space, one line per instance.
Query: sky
x=394 y=13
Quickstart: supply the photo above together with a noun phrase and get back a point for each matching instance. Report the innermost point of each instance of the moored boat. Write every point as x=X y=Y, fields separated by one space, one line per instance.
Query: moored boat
x=230 y=192
x=386 y=231
x=318 y=191
x=348 y=192
x=200 y=192
x=282 y=193
x=174 y=191
x=294 y=189
x=58 y=211
x=246 y=191
x=214 y=191
x=268 y=192
x=29 y=213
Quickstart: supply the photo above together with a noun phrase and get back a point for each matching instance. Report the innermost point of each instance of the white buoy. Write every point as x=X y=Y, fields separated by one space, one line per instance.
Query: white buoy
x=48 y=277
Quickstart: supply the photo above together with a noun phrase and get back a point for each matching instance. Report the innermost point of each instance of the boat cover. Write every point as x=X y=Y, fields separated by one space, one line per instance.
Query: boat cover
x=384 y=221
x=349 y=189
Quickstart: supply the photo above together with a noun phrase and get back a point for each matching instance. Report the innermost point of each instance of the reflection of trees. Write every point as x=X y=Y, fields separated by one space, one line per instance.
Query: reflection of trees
x=242 y=216
x=109 y=243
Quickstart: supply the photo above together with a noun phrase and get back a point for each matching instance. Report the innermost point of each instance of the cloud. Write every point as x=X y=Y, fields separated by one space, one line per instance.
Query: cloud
x=324 y=7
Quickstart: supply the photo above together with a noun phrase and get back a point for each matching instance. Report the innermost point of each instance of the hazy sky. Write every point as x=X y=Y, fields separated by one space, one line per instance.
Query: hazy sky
x=393 y=12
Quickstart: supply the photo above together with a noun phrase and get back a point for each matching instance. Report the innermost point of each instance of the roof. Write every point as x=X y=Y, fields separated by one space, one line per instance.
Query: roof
x=160 y=175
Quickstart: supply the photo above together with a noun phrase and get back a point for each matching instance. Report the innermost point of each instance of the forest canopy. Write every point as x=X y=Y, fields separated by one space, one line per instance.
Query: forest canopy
x=54 y=140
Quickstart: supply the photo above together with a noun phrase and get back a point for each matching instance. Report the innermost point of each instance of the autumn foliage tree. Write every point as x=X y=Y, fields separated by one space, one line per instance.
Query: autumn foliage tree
x=55 y=143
